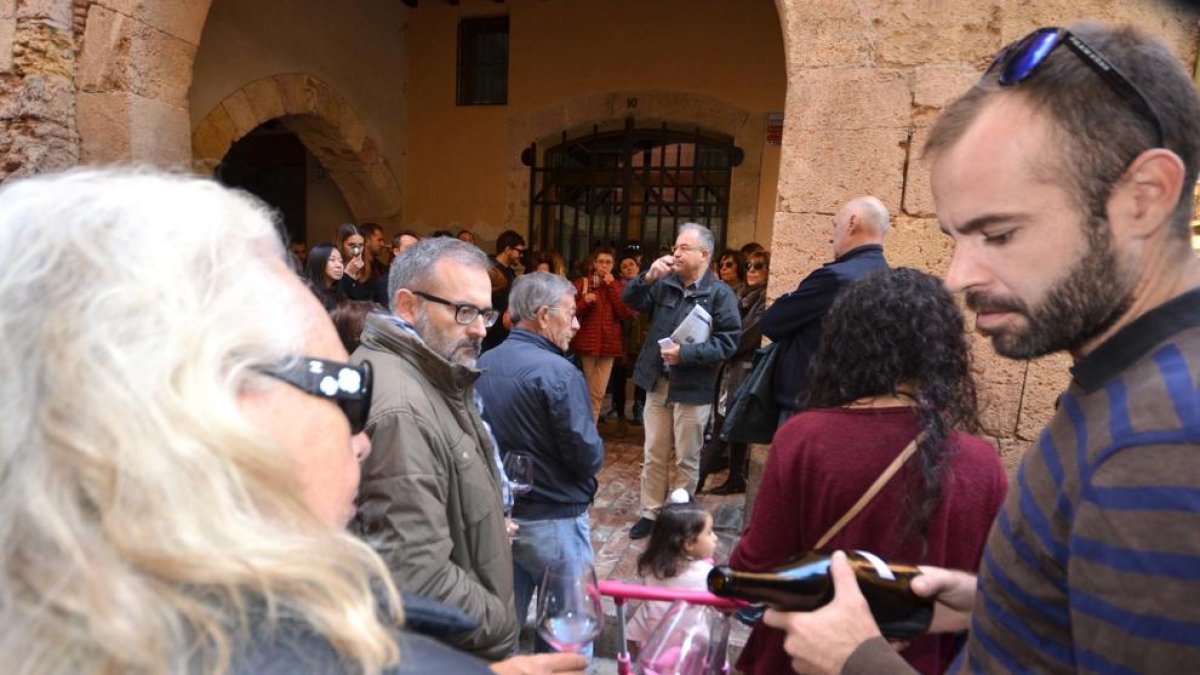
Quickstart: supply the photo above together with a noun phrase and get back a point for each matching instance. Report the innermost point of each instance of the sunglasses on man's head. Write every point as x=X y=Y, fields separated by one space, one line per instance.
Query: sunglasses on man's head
x=347 y=385
x=1018 y=61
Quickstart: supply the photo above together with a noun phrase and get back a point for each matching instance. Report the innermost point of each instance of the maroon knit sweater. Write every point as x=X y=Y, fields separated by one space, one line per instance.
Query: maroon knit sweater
x=821 y=462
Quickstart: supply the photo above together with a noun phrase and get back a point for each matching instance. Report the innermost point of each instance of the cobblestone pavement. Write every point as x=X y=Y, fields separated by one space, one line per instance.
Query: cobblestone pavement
x=615 y=510
x=616 y=507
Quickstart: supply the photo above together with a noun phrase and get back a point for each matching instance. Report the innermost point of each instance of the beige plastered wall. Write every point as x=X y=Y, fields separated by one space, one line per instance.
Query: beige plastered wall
x=574 y=64
x=865 y=82
x=352 y=65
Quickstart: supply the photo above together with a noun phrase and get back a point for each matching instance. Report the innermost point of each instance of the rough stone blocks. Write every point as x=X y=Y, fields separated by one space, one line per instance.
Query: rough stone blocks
x=123 y=54
x=847 y=98
x=122 y=126
x=1046 y=379
x=820 y=169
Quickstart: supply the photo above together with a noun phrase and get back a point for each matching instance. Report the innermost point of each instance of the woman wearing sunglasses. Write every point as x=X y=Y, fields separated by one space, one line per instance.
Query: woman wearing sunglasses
x=179 y=461
x=731 y=268
x=752 y=299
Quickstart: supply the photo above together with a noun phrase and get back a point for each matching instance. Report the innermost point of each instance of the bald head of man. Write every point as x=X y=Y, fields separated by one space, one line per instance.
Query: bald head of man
x=861 y=221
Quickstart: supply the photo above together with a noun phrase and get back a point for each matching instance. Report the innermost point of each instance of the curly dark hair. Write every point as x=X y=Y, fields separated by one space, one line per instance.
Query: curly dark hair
x=885 y=333
x=676 y=525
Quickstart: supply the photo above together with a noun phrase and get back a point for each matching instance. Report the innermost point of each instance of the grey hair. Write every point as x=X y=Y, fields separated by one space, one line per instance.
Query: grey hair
x=535 y=290
x=138 y=308
x=873 y=212
x=705 y=234
x=413 y=269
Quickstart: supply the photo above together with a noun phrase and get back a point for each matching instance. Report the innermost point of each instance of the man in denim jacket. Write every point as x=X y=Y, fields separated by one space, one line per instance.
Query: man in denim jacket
x=679 y=379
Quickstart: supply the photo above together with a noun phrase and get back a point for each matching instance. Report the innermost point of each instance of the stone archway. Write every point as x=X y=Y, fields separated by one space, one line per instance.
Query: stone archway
x=324 y=122
x=547 y=124
x=132 y=77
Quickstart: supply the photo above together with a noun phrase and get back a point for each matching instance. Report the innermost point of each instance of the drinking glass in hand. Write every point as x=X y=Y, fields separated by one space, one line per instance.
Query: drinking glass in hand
x=518 y=466
x=569 y=611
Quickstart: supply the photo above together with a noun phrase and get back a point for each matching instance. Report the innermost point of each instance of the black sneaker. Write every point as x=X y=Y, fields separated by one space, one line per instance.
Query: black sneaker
x=641 y=529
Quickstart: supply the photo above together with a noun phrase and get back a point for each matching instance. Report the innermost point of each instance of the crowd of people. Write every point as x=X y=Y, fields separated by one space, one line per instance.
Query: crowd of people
x=238 y=456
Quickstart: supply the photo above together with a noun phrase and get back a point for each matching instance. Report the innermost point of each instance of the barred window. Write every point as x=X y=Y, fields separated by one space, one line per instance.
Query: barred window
x=483 y=61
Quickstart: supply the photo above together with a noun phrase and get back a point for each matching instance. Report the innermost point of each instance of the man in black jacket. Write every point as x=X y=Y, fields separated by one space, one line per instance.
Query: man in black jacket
x=794 y=320
x=510 y=248
x=679 y=379
x=537 y=403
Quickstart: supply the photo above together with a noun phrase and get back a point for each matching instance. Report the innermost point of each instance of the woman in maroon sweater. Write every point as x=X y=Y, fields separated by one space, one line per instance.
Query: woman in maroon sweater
x=600 y=310
x=893 y=362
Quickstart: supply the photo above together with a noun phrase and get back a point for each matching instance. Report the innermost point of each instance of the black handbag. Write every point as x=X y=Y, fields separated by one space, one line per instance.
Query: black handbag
x=753 y=416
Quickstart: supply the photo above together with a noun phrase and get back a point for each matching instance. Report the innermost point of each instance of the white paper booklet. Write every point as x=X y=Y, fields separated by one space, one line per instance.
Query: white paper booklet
x=695 y=327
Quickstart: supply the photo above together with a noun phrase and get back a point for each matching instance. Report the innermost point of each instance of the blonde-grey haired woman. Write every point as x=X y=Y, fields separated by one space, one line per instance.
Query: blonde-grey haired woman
x=181 y=445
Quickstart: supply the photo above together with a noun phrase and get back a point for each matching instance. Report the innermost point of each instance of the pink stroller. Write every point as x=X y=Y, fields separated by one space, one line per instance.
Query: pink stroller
x=714 y=658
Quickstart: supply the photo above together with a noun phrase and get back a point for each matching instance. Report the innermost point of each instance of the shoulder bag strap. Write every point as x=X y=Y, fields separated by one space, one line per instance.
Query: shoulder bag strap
x=871 y=492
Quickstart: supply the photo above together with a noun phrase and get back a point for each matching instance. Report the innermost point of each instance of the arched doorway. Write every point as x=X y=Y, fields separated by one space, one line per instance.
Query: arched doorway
x=323 y=122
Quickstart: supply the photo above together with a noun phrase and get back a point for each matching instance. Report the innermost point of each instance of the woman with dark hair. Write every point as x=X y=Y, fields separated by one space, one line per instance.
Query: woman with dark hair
x=752 y=299
x=731 y=268
x=322 y=272
x=550 y=261
x=893 y=369
x=357 y=283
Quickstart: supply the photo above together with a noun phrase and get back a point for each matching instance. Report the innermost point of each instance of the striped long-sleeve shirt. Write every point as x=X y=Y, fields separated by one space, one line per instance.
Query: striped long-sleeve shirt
x=1093 y=565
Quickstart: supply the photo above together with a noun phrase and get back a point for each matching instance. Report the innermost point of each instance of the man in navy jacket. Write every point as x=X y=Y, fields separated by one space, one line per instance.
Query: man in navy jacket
x=679 y=379
x=537 y=402
x=794 y=320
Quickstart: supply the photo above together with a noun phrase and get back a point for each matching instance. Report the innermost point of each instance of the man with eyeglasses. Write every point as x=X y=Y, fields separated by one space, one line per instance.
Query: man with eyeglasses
x=433 y=496
x=537 y=402
x=794 y=320
x=1073 y=235
x=510 y=248
x=679 y=379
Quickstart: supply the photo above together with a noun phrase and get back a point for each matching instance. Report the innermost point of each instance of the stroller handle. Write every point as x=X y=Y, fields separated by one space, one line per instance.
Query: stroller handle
x=623 y=591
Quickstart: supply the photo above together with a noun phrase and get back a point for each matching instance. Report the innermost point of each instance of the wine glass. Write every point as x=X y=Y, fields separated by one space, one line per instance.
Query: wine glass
x=689 y=640
x=518 y=467
x=569 y=611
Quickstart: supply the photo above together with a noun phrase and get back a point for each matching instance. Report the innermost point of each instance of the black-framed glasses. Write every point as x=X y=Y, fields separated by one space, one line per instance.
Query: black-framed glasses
x=464 y=314
x=1019 y=60
x=758 y=265
x=728 y=265
x=347 y=385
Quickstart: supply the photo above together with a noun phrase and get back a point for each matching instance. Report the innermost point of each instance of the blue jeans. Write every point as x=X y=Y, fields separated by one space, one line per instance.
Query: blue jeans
x=539 y=543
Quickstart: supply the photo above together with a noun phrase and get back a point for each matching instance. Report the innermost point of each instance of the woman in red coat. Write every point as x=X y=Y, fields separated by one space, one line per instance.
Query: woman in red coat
x=600 y=310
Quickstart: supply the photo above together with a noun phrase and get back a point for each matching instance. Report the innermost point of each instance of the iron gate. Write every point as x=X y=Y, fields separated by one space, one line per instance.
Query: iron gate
x=630 y=185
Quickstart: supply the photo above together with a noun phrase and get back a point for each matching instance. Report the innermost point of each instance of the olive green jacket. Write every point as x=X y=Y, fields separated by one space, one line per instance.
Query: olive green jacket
x=430 y=502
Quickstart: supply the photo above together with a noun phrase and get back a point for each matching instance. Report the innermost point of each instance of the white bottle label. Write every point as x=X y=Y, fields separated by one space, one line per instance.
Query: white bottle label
x=881 y=567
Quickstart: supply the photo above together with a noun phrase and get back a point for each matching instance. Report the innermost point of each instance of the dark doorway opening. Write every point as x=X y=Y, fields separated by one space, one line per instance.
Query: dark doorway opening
x=270 y=162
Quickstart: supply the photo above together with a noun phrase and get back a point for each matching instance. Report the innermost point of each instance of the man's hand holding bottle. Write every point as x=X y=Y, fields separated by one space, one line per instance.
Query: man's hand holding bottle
x=822 y=641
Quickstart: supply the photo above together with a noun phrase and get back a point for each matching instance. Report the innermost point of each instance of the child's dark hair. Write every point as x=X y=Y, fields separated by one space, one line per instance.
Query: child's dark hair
x=677 y=524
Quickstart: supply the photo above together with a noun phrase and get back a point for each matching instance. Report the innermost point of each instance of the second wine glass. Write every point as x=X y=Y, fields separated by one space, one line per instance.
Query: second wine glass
x=569 y=610
x=518 y=467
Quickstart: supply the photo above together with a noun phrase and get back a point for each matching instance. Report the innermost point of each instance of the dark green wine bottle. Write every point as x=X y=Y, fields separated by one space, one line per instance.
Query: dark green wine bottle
x=805 y=585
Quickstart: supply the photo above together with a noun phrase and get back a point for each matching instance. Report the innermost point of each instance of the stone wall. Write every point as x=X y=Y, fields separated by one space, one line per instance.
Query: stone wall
x=865 y=82
x=37 y=91
x=135 y=68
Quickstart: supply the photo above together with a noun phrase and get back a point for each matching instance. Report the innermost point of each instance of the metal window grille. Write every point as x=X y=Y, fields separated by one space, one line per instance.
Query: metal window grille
x=483 y=61
x=629 y=186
